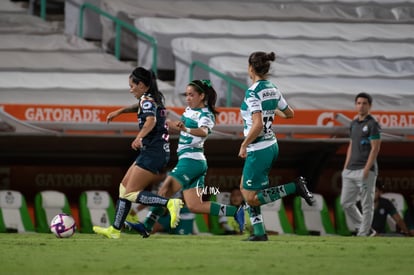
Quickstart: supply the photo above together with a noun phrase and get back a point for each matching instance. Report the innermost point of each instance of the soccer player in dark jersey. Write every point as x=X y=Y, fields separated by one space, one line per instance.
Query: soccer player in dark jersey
x=360 y=169
x=153 y=143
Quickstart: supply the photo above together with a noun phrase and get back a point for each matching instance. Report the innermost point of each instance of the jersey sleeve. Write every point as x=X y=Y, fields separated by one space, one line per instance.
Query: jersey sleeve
x=375 y=132
x=206 y=120
x=282 y=105
x=254 y=102
x=148 y=108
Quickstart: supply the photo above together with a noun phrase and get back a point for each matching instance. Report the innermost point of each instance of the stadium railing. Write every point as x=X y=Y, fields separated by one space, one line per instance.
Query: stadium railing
x=230 y=81
x=119 y=24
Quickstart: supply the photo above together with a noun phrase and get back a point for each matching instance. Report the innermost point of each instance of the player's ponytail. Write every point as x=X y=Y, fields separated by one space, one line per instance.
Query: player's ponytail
x=260 y=62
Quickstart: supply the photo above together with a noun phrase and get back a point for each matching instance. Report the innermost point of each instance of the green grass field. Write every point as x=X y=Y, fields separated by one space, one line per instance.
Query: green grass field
x=172 y=254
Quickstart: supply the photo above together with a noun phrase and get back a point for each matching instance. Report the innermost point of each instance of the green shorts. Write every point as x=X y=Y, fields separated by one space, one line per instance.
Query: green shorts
x=190 y=173
x=257 y=167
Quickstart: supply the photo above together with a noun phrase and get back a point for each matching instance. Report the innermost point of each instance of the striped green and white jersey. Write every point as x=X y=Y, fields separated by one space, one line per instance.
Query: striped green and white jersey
x=190 y=146
x=263 y=96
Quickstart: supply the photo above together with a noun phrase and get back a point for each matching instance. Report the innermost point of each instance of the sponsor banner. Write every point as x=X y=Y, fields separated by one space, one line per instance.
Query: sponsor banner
x=227 y=116
x=71 y=180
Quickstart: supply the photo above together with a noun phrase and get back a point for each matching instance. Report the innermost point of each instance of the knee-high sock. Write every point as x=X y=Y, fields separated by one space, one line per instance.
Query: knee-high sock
x=256 y=220
x=218 y=209
x=149 y=198
x=152 y=217
x=274 y=193
x=122 y=209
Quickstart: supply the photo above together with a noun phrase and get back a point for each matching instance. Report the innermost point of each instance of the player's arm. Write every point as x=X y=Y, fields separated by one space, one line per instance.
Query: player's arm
x=150 y=122
x=401 y=224
x=255 y=130
x=129 y=109
x=286 y=113
x=204 y=127
x=199 y=132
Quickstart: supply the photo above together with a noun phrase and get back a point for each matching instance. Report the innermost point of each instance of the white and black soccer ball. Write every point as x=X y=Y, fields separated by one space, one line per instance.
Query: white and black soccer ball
x=63 y=226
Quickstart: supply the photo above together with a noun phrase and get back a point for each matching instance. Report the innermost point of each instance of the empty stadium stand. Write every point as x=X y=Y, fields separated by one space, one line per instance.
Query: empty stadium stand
x=188 y=50
x=375 y=75
x=164 y=30
x=313 y=11
x=42 y=65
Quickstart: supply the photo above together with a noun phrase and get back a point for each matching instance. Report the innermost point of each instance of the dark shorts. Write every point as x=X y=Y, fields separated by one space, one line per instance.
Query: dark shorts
x=154 y=158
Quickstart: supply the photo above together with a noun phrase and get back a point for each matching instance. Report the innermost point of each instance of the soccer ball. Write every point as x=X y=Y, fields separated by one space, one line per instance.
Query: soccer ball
x=63 y=226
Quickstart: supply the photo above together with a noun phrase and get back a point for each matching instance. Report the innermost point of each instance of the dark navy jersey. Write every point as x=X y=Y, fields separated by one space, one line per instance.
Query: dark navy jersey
x=148 y=108
x=384 y=208
x=362 y=132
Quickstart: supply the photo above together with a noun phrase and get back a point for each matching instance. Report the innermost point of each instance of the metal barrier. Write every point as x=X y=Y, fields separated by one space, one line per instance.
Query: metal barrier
x=43 y=4
x=230 y=81
x=119 y=24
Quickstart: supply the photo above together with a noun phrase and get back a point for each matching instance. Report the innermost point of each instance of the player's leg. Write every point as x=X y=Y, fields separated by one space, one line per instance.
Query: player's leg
x=152 y=162
x=254 y=179
x=168 y=188
x=263 y=160
x=120 y=207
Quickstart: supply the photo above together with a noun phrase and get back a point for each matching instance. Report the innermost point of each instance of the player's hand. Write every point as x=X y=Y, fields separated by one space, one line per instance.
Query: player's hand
x=243 y=152
x=137 y=143
x=111 y=116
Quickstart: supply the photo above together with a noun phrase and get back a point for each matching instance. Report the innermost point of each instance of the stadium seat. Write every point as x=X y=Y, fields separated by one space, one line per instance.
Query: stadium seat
x=48 y=204
x=201 y=225
x=14 y=215
x=275 y=218
x=342 y=224
x=400 y=204
x=96 y=207
x=312 y=220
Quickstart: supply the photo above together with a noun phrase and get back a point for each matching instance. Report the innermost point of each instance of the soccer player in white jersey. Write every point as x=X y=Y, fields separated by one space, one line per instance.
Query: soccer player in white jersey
x=188 y=175
x=261 y=103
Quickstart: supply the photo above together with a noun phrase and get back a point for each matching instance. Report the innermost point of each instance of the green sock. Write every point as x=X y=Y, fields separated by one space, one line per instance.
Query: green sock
x=218 y=209
x=274 y=193
x=256 y=220
x=153 y=216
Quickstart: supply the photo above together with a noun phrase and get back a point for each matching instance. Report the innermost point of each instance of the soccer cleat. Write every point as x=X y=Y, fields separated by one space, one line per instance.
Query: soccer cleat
x=132 y=218
x=255 y=238
x=174 y=207
x=139 y=227
x=372 y=232
x=239 y=217
x=109 y=232
x=303 y=191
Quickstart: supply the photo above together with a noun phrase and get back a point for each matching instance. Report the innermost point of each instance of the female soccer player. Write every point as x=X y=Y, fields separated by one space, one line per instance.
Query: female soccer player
x=153 y=144
x=188 y=175
x=261 y=103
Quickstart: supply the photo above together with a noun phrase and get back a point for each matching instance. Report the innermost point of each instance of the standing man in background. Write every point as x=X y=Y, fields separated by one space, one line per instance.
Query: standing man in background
x=361 y=169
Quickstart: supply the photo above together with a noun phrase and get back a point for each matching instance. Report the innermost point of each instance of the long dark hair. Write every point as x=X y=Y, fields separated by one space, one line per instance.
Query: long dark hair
x=260 y=62
x=140 y=74
x=204 y=87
